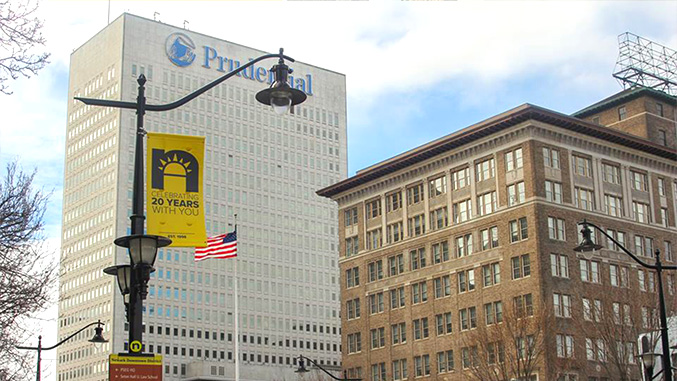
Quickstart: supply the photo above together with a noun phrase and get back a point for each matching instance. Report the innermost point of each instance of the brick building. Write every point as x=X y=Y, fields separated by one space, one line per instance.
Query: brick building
x=449 y=238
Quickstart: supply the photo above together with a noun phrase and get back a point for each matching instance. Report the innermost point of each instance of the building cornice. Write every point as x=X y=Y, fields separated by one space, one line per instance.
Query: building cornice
x=491 y=126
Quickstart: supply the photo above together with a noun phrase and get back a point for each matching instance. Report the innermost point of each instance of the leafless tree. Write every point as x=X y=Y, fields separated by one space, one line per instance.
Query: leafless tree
x=612 y=320
x=26 y=271
x=512 y=347
x=20 y=35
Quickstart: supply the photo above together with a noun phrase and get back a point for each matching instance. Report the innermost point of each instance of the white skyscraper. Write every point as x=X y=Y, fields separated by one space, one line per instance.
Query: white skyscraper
x=263 y=167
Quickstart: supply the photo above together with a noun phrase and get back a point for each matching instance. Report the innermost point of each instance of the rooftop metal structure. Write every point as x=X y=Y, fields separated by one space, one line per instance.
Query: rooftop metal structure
x=642 y=62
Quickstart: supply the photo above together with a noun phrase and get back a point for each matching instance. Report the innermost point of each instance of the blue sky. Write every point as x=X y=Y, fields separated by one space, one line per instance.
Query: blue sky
x=415 y=70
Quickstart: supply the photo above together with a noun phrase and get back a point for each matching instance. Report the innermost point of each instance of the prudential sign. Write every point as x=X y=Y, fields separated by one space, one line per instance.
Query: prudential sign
x=182 y=51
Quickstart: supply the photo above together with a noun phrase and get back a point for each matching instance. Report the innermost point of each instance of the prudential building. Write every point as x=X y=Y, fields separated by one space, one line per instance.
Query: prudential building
x=260 y=166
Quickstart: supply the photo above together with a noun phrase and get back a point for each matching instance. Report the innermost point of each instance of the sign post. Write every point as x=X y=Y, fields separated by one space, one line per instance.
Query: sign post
x=124 y=367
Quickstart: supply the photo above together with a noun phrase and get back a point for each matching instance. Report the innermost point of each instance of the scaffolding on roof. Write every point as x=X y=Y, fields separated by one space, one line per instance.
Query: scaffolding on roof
x=642 y=62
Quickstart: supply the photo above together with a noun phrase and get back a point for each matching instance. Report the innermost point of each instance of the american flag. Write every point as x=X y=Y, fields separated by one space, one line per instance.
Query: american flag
x=220 y=246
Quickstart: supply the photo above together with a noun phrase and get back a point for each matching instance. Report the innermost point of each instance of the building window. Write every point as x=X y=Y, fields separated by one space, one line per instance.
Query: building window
x=641 y=212
x=422 y=366
x=374 y=239
x=551 y=158
x=399 y=333
x=467 y=318
x=519 y=230
x=523 y=305
x=350 y=216
x=664 y=217
x=373 y=209
x=353 y=308
x=469 y=357
x=491 y=274
x=618 y=235
x=584 y=198
x=559 y=265
x=394 y=232
x=565 y=346
x=376 y=303
x=352 y=246
x=444 y=324
x=516 y=193
x=592 y=310
x=562 y=305
x=493 y=313
x=378 y=372
x=639 y=181
x=354 y=342
x=556 y=229
x=486 y=203
x=461 y=178
x=419 y=292
x=375 y=270
x=442 y=286
x=378 y=338
x=417 y=259
x=582 y=166
x=513 y=160
x=485 y=170
x=621 y=113
x=659 y=109
x=397 y=298
x=611 y=173
x=421 y=328
x=662 y=138
x=553 y=191
x=521 y=266
x=466 y=280
x=353 y=277
x=589 y=271
x=439 y=218
x=440 y=252
x=667 y=251
x=464 y=246
x=489 y=238
x=445 y=361
x=393 y=202
x=437 y=186
x=416 y=225
x=462 y=211
x=400 y=370
x=396 y=265
x=415 y=194
x=614 y=205
x=661 y=186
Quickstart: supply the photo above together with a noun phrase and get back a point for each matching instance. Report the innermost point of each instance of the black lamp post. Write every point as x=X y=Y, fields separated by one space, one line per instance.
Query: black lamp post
x=142 y=248
x=587 y=245
x=96 y=339
x=302 y=369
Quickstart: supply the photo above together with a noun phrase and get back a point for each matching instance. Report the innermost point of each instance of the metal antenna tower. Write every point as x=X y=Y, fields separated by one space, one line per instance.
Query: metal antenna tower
x=642 y=62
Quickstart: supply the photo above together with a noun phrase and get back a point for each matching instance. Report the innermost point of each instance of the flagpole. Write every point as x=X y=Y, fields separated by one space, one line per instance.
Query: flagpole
x=237 y=320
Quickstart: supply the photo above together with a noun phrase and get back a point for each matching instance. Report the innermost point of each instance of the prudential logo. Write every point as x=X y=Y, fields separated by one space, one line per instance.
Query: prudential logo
x=179 y=48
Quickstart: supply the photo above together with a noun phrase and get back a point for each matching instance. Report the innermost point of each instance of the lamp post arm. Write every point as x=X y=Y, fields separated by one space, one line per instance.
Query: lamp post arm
x=62 y=341
x=187 y=98
x=626 y=251
x=329 y=374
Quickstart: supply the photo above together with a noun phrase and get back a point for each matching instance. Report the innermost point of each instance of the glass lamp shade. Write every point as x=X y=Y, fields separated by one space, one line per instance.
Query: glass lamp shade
x=142 y=248
x=123 y=274
x=302 y=367
x=587 y=245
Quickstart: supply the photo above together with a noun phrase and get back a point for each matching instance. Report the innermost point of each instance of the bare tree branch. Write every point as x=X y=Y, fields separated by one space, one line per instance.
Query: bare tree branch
x=20 y=34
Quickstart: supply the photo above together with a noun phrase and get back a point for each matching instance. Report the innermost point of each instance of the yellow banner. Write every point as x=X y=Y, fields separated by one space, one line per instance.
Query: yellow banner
x=174 y=188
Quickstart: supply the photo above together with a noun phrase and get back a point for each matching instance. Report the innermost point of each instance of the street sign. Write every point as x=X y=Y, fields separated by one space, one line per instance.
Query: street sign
x=124 y=367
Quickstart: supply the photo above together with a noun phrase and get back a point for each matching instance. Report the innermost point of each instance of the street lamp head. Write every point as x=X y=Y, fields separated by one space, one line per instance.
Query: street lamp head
x=98 y=339
x=142 y=248
x=280 y=95
x=123 y=273
x=587 y=245
x=302 y=367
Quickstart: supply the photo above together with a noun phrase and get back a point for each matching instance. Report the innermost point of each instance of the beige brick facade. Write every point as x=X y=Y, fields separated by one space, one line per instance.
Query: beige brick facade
x=533 y=131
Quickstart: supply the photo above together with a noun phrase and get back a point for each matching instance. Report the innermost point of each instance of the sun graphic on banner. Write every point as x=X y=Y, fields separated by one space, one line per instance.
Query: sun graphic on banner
x=175 y=166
